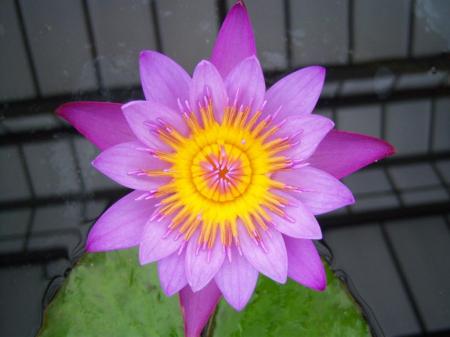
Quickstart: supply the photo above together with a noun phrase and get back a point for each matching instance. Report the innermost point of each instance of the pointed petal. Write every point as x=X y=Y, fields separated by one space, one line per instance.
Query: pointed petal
x=320 y=192
x=101 y=122
x=237 y=280
x=245 y=84
x=172 y=273
x=156 y=244
x=306 y=132
x=305 y=265
x=342 y=152
x=299 y=222
x=120 y=161
x=144 y=116
x=207 y=81
x=235 y=40
x=163 y=80
x=297 y=93
x=202 y=264
x=122 y=224
x=197 y=307
x=272 y=261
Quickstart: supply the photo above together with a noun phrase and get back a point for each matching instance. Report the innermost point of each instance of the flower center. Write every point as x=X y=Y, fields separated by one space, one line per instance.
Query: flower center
x=221 y=172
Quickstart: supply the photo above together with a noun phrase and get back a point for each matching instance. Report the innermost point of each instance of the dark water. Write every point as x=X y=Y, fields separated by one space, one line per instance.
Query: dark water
x=387 y=76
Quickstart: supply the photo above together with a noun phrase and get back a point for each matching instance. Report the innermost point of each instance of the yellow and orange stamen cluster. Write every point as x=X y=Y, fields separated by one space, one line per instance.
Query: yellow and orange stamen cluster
x=220 y=174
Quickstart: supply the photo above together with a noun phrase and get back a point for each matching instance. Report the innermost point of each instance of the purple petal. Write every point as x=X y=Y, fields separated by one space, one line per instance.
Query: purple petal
x=163 y=80
x=156 y=243
x=306 y=132
x=320 y=192
x=297 y=93
x=145 y=117
x=245 y=84
x=207 y=80
x=305 y=265
x=237 y=280
x=172 y=273
x=100 y=122
x=342 y=153
x=270 y=258
x=202 y=264
x=122 y=224
x=197 y=307
x=235 y=40
x=299 y=221
x=121 y=162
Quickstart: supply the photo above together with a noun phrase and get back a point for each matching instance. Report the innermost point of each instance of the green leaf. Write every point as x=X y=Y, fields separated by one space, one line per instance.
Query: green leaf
x=110 y=294
x=292 y=310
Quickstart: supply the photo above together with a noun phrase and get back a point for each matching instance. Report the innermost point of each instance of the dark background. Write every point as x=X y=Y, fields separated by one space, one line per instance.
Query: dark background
x=388 y=64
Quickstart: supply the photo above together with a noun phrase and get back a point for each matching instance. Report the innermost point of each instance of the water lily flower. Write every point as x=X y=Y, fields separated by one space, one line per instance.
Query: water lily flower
x=227 y=177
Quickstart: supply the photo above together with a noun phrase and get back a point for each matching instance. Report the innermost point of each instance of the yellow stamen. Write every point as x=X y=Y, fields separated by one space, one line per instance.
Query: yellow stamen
x=220 y=173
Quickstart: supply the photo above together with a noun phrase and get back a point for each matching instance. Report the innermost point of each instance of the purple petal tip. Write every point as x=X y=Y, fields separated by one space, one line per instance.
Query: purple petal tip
x=391 y=150
x=60 y=111
x=321 y=282
x=322 y=287
x=320 y=69
x=144 y=53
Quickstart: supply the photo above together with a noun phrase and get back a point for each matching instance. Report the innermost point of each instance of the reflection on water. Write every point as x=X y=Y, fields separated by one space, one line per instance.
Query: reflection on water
x=388 y=65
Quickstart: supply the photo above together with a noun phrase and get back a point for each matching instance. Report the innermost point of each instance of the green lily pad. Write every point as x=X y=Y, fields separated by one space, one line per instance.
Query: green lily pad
x=293 y=310
x=110 y=294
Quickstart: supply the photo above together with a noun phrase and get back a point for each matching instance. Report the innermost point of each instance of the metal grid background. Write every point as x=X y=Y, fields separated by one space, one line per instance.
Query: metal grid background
x=393 y=244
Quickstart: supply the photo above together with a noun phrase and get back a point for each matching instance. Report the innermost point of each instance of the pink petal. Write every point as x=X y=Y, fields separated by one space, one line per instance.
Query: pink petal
x=202 y=264
x=245 y=84
x=156 y=243
x=207 y=81
x=320 y=192
x=144 y=118
x=100 y=122
x=297 y=93
x=306 y=132
x=163 y=80
x=122 y=224
x=172 y=273
x=235 y=40
x=120 y=162
x=342 y=152
x=299 y=221
x=305 y=265
x=197 y=307
x=237 y=280
x=270 y=260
